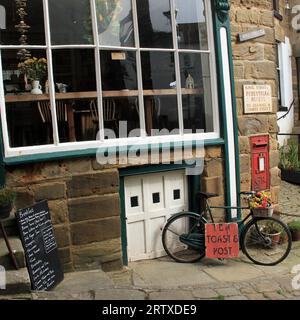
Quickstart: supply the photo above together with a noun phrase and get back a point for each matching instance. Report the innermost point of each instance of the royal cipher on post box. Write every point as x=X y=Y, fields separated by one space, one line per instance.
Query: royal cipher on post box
x=260 y=162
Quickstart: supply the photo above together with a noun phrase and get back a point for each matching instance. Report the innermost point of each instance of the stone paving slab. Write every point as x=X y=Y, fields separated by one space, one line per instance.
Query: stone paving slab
x=164 y=274
x=234 y=272
x=171 y=295
x=120 y=294
x=77 y=282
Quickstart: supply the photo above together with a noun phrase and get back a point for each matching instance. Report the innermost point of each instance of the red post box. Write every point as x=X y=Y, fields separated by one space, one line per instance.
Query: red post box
x=260 y=162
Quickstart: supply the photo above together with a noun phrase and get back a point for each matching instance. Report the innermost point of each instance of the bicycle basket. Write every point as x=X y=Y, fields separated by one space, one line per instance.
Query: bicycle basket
x=262 y=212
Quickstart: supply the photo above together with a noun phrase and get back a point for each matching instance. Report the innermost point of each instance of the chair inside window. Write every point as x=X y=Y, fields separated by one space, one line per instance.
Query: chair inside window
x=109 y=113
x=62 y=117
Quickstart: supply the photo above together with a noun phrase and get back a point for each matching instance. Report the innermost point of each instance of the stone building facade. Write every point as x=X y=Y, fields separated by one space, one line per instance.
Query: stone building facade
x=255 y=63
x=84 y=197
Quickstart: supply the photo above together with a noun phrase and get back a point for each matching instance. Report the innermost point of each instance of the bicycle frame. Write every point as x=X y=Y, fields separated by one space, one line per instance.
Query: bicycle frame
x=240 y=222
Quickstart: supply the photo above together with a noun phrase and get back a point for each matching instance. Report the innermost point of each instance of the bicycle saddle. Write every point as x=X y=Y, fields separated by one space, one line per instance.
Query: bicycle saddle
x=207 y=194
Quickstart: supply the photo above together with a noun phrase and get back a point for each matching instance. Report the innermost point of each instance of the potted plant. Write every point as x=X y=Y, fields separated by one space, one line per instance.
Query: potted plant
x=35 y=70
x=294 y=227
x=7 y=197
x=274 y=232
x=289 y=162
x=261 y=204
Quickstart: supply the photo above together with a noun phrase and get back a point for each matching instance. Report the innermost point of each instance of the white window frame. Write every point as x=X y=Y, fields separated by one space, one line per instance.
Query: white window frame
x=101 y=143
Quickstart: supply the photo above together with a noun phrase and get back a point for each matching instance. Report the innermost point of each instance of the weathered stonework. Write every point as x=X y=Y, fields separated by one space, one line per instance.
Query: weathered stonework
x=84 y=206
x=256 y=62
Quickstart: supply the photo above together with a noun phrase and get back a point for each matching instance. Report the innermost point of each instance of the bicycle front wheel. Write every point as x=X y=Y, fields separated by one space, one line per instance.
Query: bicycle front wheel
x=183 y=237
x=266 y=241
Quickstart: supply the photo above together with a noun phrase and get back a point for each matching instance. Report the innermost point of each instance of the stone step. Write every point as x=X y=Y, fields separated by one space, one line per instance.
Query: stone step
x=5 y=259
x=16 y=282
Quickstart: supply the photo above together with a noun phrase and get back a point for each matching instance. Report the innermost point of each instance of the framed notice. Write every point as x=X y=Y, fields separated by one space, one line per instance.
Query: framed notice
x=257 y=98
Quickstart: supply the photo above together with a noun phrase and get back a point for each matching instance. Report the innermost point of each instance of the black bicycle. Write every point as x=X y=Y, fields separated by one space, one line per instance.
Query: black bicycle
x=265 y=240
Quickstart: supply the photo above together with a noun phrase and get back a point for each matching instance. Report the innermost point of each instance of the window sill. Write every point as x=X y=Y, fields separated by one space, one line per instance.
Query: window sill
x=91 y=152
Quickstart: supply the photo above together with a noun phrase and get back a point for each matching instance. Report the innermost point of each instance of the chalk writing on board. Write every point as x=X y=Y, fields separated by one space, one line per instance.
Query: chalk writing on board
x=40 y=246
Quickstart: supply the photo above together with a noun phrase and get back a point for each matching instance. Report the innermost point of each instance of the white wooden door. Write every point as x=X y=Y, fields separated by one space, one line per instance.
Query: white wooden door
x=149 y=201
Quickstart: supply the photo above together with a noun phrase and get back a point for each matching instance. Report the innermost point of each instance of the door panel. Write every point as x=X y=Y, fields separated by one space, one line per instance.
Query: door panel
x=149 y=201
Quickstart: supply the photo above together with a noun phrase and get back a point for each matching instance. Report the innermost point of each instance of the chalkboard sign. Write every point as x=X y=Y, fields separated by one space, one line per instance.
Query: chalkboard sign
x=40 y=246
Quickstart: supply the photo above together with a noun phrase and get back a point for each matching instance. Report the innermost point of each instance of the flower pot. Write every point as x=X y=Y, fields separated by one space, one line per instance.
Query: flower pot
x=5 y=211
x=36 y=87
x=275 y=237
x=291 y=176
x=295 y=235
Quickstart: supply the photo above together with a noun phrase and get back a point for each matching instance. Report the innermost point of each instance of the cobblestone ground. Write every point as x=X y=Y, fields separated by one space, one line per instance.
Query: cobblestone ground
x=289 y=201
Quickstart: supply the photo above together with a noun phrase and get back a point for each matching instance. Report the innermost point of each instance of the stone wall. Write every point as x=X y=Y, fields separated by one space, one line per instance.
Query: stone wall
x=255 y=63
x=84 y=205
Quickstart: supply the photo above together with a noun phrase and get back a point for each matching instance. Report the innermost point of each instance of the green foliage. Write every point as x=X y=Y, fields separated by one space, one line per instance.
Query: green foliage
x=271 y=227
x=289 y=156
x=7 y=196
x=294 y=225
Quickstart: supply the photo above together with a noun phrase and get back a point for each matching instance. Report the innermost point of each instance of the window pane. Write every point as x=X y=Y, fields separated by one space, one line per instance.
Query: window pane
x=27 y=125
x=196 y=92
x=160 y=97
x=191 y=24
x=115 y=24
x=155 y=27
x=76 y=96
x=70 y=22
x=118 y=70
x=120 y=91
x=9 y=19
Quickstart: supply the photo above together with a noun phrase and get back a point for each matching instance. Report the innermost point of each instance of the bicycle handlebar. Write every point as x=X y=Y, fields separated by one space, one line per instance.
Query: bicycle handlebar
x=248 y=193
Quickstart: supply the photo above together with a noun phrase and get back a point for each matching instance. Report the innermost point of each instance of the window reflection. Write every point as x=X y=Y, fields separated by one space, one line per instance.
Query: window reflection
x=191 y=24
x=196 y=92
x=26 y=125
x=115 y=23
x=120 y=90
x=75 y=84
x=70 y=22
x=155 y=26
x=159 y=84
x=34 y=19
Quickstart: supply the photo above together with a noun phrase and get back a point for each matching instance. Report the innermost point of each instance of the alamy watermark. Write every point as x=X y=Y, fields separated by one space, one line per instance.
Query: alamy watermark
x=179 y=149
x=296 y=17
x=296 y=279
x=2 y=278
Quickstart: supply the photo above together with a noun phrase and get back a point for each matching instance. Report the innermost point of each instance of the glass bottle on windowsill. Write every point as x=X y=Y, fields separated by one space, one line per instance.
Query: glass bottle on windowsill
x=189 y=82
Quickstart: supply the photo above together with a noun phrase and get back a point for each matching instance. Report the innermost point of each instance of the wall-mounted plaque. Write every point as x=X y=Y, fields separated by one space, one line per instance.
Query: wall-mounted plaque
x=257 y=98
x=251 y=35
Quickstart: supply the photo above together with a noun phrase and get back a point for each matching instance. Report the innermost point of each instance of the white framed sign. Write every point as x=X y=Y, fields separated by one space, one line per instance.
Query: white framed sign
x=257 y=98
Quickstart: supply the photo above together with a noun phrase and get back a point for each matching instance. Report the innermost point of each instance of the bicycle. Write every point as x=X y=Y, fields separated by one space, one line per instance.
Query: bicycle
x=264 y=240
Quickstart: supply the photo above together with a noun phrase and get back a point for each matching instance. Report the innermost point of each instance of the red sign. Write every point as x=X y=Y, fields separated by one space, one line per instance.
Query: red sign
x=222 y=240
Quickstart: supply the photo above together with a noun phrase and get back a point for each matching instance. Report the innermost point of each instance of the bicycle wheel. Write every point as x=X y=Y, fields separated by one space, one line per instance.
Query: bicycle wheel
x=266 y=241
x=183 y=237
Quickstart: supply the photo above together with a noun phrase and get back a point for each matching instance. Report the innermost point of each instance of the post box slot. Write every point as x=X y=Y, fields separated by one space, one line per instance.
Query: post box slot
x=260 y=144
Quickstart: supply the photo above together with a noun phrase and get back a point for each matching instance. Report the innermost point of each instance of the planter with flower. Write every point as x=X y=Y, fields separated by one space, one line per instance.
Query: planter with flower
x=261 y=204
x=35 y=70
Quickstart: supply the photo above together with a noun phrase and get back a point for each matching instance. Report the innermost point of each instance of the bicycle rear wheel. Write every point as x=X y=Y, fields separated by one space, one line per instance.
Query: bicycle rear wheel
x=266 y=241
x=183 y=237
